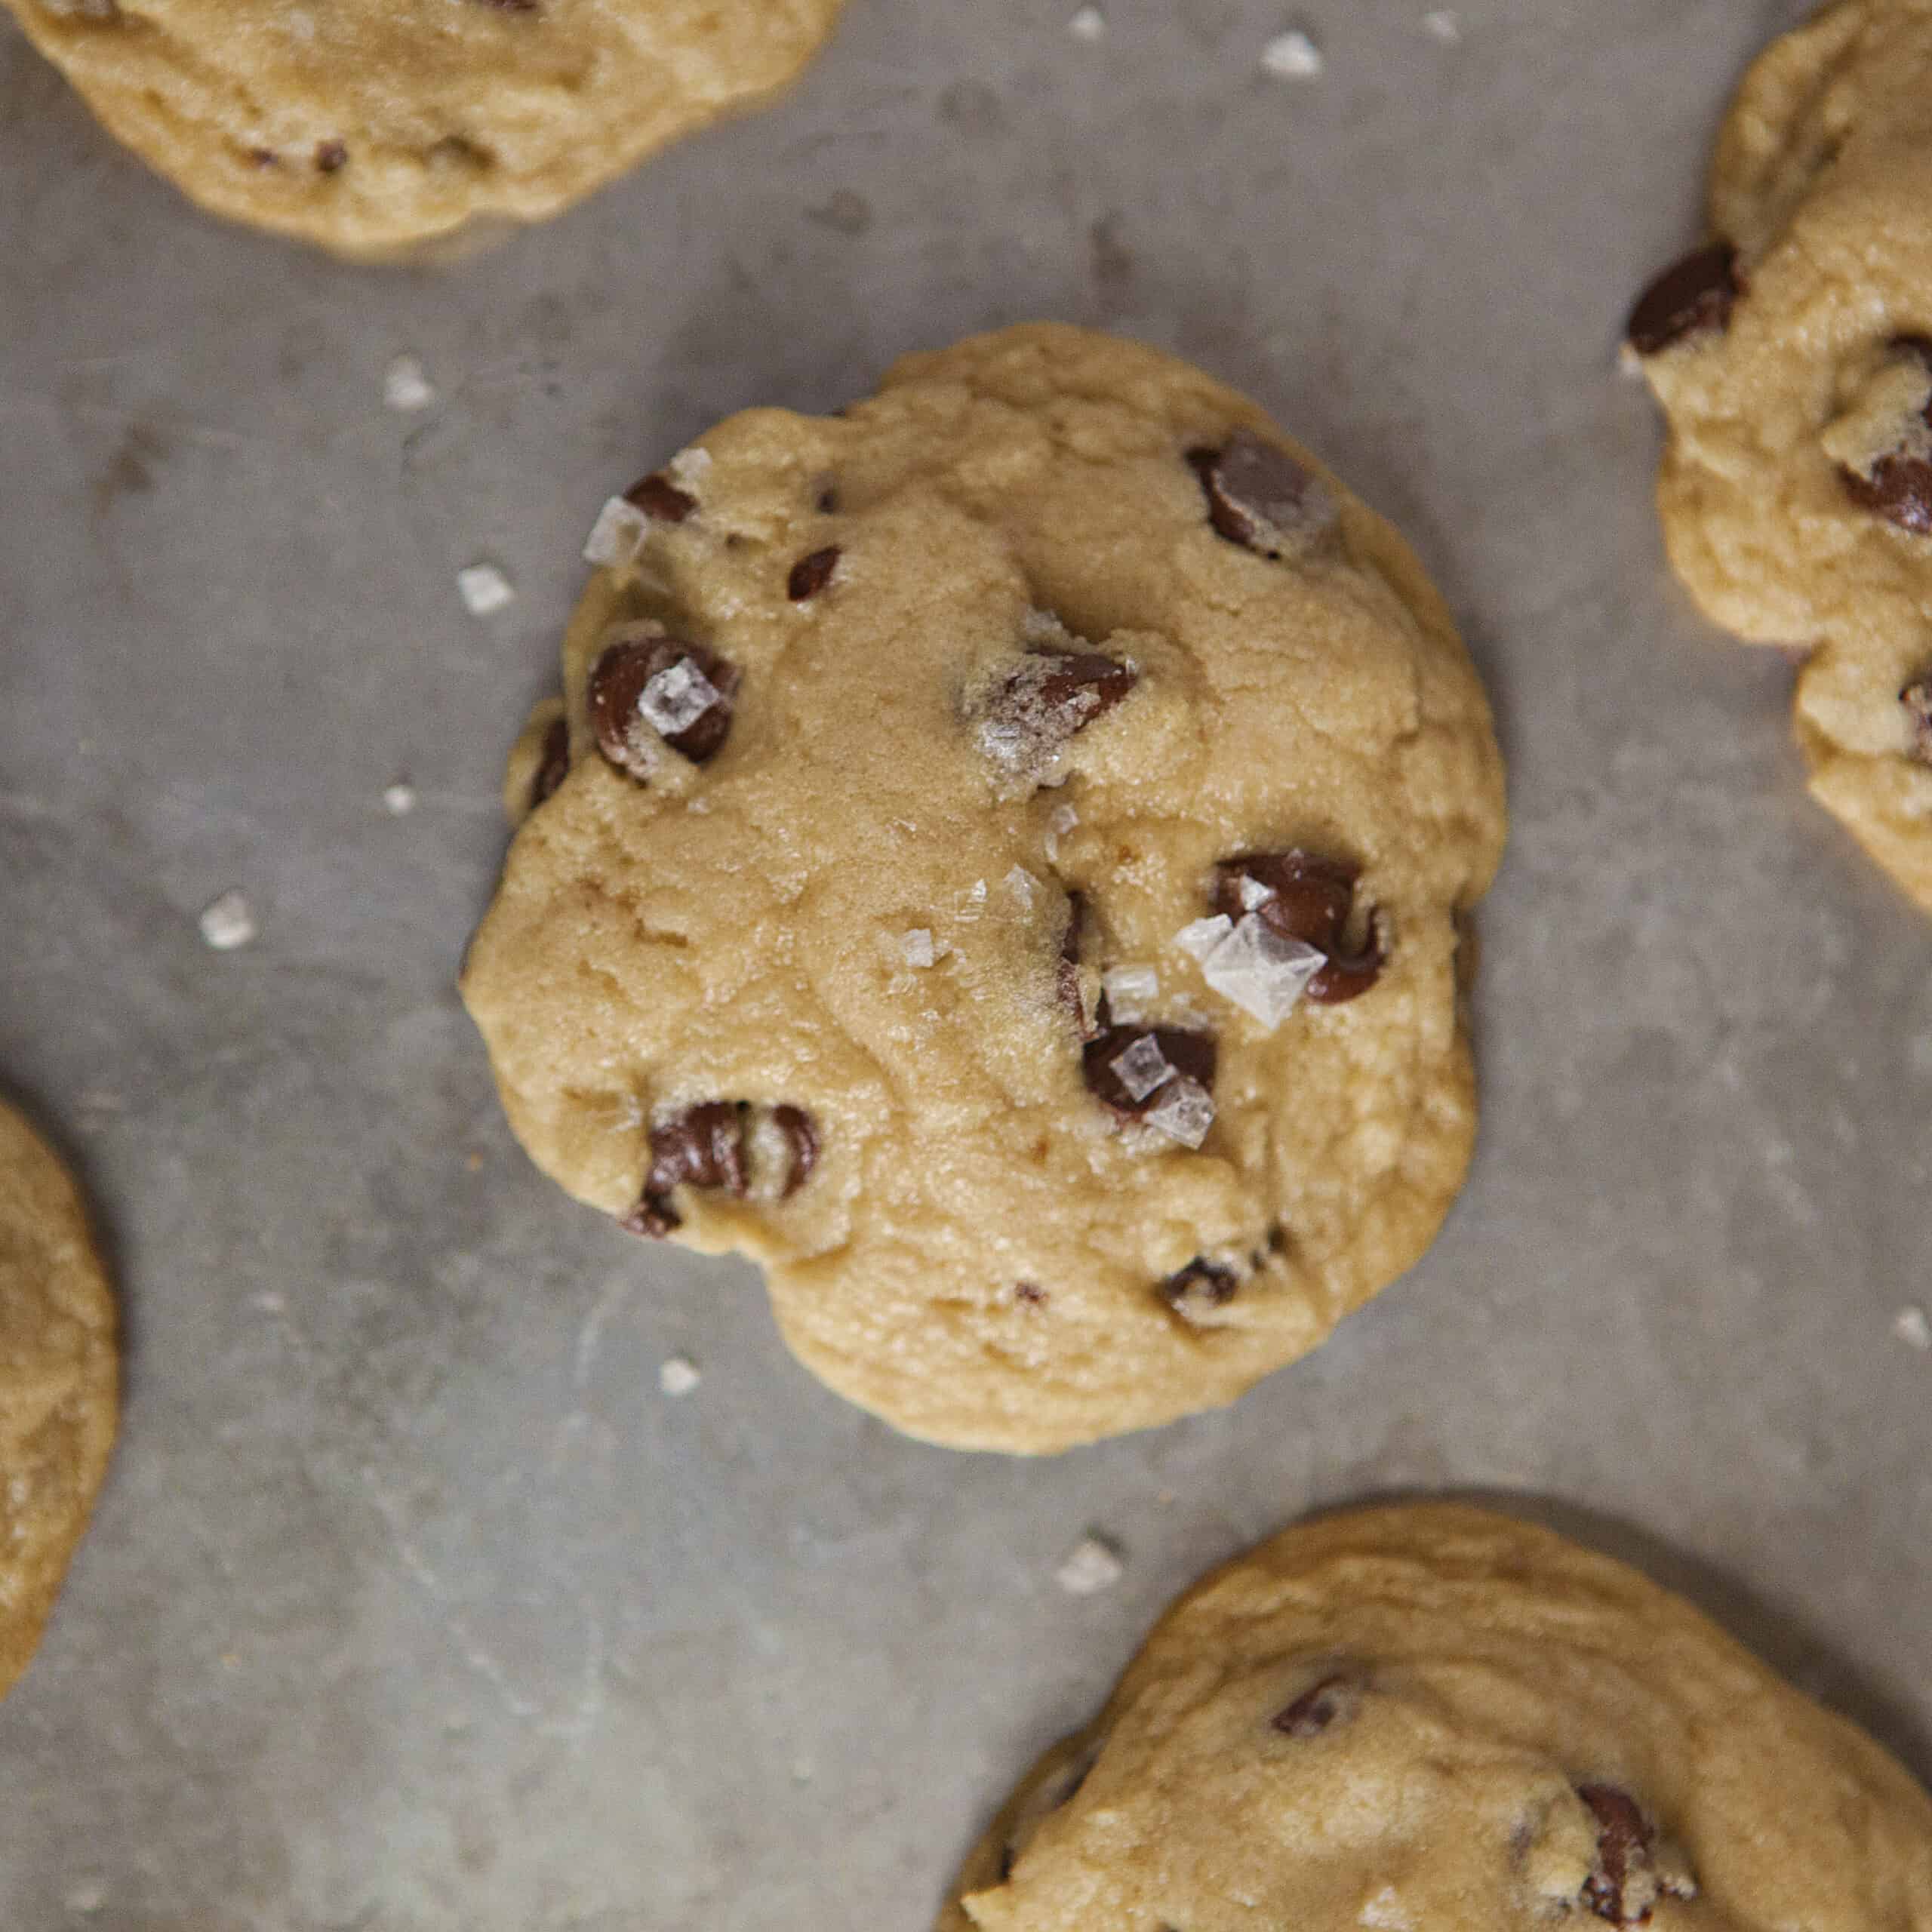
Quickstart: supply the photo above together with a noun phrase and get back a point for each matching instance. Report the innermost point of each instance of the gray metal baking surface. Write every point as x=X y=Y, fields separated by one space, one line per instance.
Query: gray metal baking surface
x=414 y=1602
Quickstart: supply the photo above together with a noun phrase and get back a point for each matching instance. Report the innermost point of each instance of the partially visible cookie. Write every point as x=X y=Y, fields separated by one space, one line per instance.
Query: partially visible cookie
x=999 y=861
x=1432 y=1719
x=1792 y=354
x=374 y=127
x=58 y=1382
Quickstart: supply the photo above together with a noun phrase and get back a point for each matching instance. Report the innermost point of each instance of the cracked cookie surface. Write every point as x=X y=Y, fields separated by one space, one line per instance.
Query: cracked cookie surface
x=1793 y=356
x=58 y=1379
x=1427 y=1718
x=374 y=127
x=998 y=864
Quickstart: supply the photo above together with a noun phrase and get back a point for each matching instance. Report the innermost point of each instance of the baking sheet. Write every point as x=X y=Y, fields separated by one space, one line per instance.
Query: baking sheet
x=414 y=1603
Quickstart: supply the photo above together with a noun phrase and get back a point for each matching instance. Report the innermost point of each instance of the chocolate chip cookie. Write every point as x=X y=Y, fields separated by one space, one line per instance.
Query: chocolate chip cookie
x=1792 y=354
x=58 y=1378
x=1430 y=1718
x=375 y=126
x=998 y=861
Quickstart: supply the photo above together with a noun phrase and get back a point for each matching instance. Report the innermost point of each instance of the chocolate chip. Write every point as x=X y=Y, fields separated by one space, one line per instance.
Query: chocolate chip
x=1690 y=298
x=1304 y=898
x=1031 y=1293
x=704 y=1147
x=1900 y=487
x=330 y=155
x=1335 y=1698
x=660 y=499
x=811 y=574
x=646 y=691
x=554 y=766
x=513 y=6
x=1260 y=497
x=1128 y=1067
x=1068 y=984
x=1917 y=699
x=1626 y=1880
x=828 y=500
x=1051 y=696
x=263 y=157
x=1201 y=1286
x=801 y=1132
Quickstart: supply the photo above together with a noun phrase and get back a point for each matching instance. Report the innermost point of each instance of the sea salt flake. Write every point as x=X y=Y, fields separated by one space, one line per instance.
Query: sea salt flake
x=1130 y=990
x=399 y=799
x=617 y=535
x=676 y=698
x=690 y=466
x=1263 y=973
x=1253 y=894
x=679 y=1375
x=1184 y=1112
x=1020 y=886
x=484 y=590
x=1063 y=819
x=1200 y=939
x=1913 y=1328
x=917 y=947
x=1384 y=1912
x=1444 y=25
x=227 y=922
x=1292 y=56
x=1090 y=24
x=1142 y=1069
x=405 y=388
x=1092 y=1566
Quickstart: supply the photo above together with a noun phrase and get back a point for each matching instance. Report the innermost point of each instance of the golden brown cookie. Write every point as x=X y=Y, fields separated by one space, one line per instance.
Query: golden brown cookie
x=1792 y=355
x=1006 y=880
x=1431 y=1719
x=374 y=127
x=58 y=1379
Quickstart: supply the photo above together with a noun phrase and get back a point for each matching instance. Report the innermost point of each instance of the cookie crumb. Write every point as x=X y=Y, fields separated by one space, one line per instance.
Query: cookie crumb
x=1093 y=1565
x=405 y=388
x=399 y=799
x=484 y=590
x=679 y=1375
x=227 y=922
x=1913 y=1328
x=617 y=535
x=1090 y=24
x=1444 y=25
x=1293 y=55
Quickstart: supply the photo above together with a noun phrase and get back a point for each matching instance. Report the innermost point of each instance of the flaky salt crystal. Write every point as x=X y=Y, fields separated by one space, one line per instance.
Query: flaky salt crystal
x=484 y=590
x=1090 y=24
x=676 y=698
x=617 y=535
x=1444 y=25
x=1142 y=1067
x=405 y=388
x=679 y=1375
x=1184 y=1112
x=1092 y=1566
x=1063 y=819
x=1020 y=885
x=1253 y=892
x=690 y=466
x=1201 y=939
x=227 y=922
x=1913 y=1328
x=1130 y=989
x=399 y=799
x=1292 y=56
x=1263 y=973
x=917 y=947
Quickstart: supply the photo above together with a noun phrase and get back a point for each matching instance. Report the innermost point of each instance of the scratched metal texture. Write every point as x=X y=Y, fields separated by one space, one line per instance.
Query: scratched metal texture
x=412 y=1603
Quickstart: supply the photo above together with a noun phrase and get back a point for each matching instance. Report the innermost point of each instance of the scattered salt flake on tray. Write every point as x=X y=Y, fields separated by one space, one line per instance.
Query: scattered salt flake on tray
x=679 y=1375
x=676 y=698
x=484 y=590
x=1142 y=1069
x=1130 y=990
x=1444 y=25
x=1092 y=1565
x=1264 y=973
x=1090 y=24
x=405 y=388
x=1292 y=56
x=399 y=799
x=1184 y=1112
x=617 y=535
x=917 y=947
x=1200 y=939
x=227 y=922
x=1912 y=1327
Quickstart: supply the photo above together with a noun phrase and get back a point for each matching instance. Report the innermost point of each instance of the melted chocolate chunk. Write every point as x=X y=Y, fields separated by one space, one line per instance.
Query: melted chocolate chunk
x=554 y=766
x=800 y=1132
x=1052 y=695
x=1916 y=699
x=1030 y=1293
x=1202 y=1285
x=1691 y=297
x=1128 y=1067
x=330 y=156
x=704 y=1147
x=1260 y=497
x=811 y=574
x=646 y=691
x=1899 y=487
x=1335 y=1698
x=660 y=499
x=1311 y=899
x=1624 y=1882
